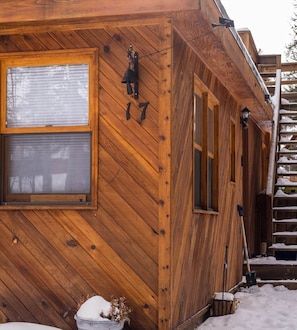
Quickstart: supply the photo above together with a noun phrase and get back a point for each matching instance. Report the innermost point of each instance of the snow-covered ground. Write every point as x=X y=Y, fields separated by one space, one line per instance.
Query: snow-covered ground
x=260 y=307
x=25 y=326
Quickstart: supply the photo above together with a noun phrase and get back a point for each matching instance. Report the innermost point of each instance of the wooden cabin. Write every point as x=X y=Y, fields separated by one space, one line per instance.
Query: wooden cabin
x=125 y=186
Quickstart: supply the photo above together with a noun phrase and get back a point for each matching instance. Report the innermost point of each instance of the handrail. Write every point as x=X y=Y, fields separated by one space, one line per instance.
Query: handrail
x=274 y=136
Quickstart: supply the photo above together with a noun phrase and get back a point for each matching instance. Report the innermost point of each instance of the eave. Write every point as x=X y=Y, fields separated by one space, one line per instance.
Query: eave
x=223 y=51
x=220 y=48
x=43 y=10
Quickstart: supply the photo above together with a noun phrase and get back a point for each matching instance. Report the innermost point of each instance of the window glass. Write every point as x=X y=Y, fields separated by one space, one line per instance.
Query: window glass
x=198 y=119
x=54 y=95
x=197 y=178
x=210 y=183
x=48 y=163
x=205 y=153
x=210 y=131
x=232 y=151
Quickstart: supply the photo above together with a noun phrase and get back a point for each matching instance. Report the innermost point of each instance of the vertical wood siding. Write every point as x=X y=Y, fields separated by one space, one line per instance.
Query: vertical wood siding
x=199 y=239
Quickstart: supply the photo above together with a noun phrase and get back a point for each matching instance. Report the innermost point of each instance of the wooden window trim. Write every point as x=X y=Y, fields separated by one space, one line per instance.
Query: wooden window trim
x=208 y=101
x=232 y=153
x=84 y=56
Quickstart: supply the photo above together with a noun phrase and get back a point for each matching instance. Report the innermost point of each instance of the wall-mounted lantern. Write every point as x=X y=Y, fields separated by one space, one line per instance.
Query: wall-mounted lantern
x=245 y=115
x=131 y=75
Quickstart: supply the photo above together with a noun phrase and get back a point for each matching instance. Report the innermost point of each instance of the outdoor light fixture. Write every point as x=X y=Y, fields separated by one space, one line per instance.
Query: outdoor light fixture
x=245 y=114
x=224 y=22
x=131 y=75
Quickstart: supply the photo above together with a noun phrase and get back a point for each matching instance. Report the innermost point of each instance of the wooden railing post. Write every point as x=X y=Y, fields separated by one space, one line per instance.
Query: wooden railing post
x=272 y=158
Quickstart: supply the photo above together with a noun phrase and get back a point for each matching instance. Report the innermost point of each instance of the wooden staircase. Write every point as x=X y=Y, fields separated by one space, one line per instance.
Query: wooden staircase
x=284 y=222
x=283 y=158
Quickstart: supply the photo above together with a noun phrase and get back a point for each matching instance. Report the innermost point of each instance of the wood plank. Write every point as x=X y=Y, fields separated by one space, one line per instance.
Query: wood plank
x=20 y=42
x=148 y=125
x=79 y=264
x=29 y=10
x=13 y=308
x=46 y=41
x=110 y=261
x=62 y=39
x=200 y=238
x=42 y=251
x=148 y=69
x=131 y=161
x=149 y=237
x=34 y=43
x=147 y=146
x=129 y=251
x=36 y=294
x=132 y=193
x=8 y=44
x=165 y=184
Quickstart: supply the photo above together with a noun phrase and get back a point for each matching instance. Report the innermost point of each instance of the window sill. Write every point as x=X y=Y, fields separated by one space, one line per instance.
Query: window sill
x=201 y=211
x=20 y=206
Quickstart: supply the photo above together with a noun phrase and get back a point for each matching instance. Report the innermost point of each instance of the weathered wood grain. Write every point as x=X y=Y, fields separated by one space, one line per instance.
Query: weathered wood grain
x=142 y=239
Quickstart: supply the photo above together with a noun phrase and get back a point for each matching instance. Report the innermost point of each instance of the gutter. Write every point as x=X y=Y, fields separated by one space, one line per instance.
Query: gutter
x=245 y=52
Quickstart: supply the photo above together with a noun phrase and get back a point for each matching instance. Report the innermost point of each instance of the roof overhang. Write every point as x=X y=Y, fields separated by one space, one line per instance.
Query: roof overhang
x=220 y=48
x=224 y=52
x=44 y=10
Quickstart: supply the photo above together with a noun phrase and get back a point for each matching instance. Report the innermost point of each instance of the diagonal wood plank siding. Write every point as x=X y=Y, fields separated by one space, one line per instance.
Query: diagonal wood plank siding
x=51 y=260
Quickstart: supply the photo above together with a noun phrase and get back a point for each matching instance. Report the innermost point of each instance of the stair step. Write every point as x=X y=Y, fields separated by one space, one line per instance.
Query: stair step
x=285 y=221
x=282 y=182
x=288 y=112
x=285 y=208
x=283 y=247
x=289 y=106
x=286 y=141
x=285 y=151
x=285 y=131
x=285 y=161
x=283 y=271
x=281 y=195
x=284 y=172
x=285 y=234
x=287 y=121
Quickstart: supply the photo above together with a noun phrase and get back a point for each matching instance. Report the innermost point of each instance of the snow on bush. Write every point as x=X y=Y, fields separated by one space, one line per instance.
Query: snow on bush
x=95 y=308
